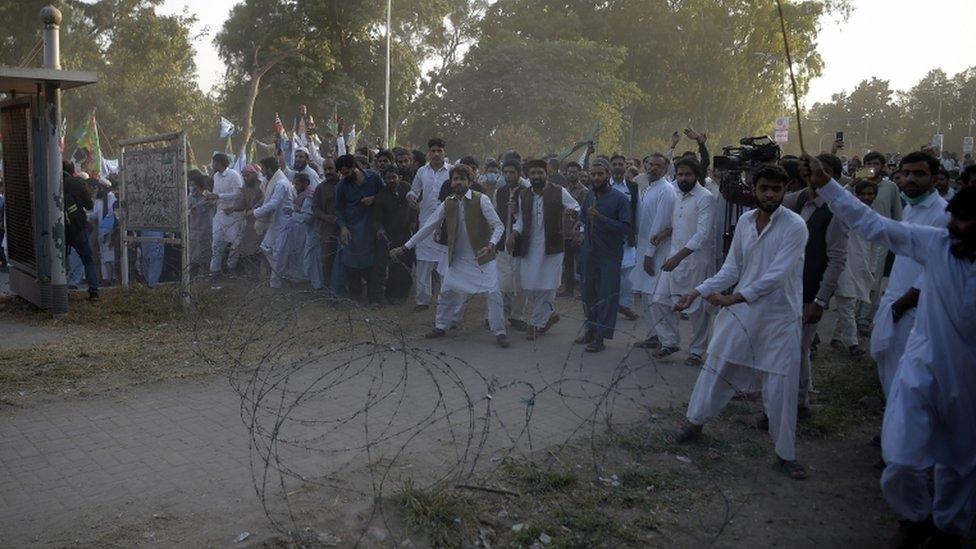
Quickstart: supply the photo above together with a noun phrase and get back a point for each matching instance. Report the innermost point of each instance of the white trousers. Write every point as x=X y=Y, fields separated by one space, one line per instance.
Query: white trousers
x=543 y=303
x=719 y=381
x=514 y=305
x=888 y=359
x=806 y=372
x=845 y=330
x=626 y=288
x=423 y=276
x=952 y=507
x=451 y=303
x=667 y=320
x=219 y=250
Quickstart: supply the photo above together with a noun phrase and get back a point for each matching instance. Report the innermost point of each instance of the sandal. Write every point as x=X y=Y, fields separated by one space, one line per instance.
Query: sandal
x=688 y=433
x=793 y=469
x=693 y=360
x=650 y=343
x=666 y=352
x=587 y=337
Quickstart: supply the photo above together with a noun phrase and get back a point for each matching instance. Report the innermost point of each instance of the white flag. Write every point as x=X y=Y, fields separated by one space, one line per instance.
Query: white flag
x=226 y=128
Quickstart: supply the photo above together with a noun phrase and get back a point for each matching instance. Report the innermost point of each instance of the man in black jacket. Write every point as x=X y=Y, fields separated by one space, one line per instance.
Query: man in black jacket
x=77 y=199
x=393 y=218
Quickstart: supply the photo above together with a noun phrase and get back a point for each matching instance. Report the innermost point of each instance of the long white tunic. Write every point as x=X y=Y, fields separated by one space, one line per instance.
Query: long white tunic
x=767 y=269
x=464 y=275
x=930 y=416
x=539 y=271
x=278 y=206
x=858 y=276
x=228 y=186
x=427 y=187
x=654 y=215
x=691 y=223
x=905 y=273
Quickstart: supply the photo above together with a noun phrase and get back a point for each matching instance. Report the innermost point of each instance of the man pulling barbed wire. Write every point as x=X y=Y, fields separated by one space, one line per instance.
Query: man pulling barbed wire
x=756 y=339
x=471 y=229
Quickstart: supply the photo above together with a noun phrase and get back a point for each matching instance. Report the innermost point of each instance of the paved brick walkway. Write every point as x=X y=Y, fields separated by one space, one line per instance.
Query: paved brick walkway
x=74 y=470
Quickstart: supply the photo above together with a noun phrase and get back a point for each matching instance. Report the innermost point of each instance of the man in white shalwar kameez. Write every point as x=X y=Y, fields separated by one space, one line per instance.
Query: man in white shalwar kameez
x=228 y=228
x=509 y=279
x=473 y=230
x=277 y=209
x=855 y=282
x=688 y=262
x=756 y=340
x=896 y=310
x=537 y=238
x=425 y=191
x=929 y=432
x=653 y=242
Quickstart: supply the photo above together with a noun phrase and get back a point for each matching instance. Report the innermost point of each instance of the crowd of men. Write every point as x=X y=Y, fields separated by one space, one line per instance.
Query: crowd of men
x=751 y=259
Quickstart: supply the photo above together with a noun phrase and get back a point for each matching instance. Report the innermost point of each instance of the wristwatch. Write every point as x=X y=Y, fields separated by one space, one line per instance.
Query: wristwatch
x=820 y=303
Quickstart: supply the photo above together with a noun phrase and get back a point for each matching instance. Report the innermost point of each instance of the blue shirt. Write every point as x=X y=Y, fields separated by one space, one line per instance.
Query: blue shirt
x=604 y=239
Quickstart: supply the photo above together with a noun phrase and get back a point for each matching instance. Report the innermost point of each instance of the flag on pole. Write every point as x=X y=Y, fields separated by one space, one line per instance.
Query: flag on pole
x=279 y=127
x=87 y=143
x=226 y=128
x=351 y=140
x=64 y=131
x=333 y=124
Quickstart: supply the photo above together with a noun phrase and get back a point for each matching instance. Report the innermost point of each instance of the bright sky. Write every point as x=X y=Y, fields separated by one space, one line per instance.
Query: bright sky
x=896 y=40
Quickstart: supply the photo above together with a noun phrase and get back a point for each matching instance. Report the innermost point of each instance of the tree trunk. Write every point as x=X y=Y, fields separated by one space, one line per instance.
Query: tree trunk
x=252 y=97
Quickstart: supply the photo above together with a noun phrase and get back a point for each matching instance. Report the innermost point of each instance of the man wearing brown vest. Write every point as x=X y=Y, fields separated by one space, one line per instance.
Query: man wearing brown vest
x=537 y=238
x=471 y=229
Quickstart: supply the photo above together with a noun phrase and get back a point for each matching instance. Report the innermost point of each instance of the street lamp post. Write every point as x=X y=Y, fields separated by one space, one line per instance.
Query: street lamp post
x=386 y=130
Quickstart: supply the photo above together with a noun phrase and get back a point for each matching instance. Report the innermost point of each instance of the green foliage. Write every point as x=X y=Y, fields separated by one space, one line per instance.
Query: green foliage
x=144 y=61
x=874 y=117
x=447 y=518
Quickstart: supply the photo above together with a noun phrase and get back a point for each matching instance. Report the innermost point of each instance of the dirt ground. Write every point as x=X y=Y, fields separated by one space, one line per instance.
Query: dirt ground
x=627 y=487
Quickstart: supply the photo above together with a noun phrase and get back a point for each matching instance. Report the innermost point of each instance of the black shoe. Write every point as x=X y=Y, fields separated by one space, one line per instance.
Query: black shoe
x=502 y=340
x=596 y=345
x=650 y=343
x=517 y=324
x=911 y=534
x=435 y=333
x=92 y=295
x=419 y=308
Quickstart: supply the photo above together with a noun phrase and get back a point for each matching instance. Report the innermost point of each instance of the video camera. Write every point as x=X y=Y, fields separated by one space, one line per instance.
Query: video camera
x=752 y=151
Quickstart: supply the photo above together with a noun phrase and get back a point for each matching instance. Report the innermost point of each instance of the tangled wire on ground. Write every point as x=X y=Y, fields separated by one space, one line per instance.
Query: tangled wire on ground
x=334 y=394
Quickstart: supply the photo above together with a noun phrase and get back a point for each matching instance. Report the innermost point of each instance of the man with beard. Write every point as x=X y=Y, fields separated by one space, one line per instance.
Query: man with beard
x=382 y=161
x=929 y=431
x=251 y=197
x=687 y=264
x=392 y=218
x=619 y=183
x=509 y=279
x=607 y=224
x=327 y=226
x=756 y=341
x=653 y=242
x=424 y=194
x=404 y=162
x=355 y=196
x=537 y=239
x=896 y=310
x=300 y=165
x=473 y=231
x=571 y=236
x=823 y=263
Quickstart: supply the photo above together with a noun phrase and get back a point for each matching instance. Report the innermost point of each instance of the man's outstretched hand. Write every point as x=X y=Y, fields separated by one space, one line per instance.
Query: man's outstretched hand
x=812 y=172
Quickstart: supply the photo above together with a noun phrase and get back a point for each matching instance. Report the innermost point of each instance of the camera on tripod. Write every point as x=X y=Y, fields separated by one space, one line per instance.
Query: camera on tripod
x=750 y=152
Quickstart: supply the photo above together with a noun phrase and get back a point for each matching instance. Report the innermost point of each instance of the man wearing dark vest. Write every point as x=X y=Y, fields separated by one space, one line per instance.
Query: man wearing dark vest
x=824 y=262
x=471 y=229
x=537 y=239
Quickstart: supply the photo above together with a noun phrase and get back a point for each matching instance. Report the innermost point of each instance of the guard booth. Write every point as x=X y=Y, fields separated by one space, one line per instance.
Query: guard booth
x=30 y=125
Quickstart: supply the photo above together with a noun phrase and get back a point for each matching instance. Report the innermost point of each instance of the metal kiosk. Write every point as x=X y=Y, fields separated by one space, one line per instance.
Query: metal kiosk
x=30 y=124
